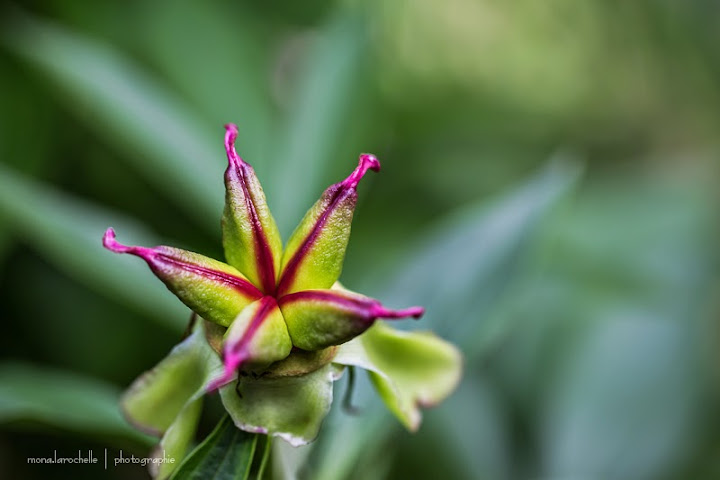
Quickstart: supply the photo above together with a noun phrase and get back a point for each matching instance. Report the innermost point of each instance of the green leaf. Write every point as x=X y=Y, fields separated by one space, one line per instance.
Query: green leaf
x=628 y=403
x=157 y=397
x=476 y=252
x=68 y=233
x=409 y=369
x=64 y=400
x=471 y=432
x=619 y=325
x=291 y=408
x=266 y=449
x=288 y=461
x=177 y=439
x=226 y=454
x=228 y=81
x=130 y=110
x=332 y=78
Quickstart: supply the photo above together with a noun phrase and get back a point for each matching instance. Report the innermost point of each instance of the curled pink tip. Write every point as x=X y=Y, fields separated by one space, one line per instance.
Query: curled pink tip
x=231 y=132
x=226 y=378
x=232 y=362
x=415 y=312
x=113 y=245
x=367 y=162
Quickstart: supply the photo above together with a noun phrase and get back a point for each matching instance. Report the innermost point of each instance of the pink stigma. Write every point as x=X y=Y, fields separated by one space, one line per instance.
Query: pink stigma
x=231 y=132
x=113 y=245
x=382 y=312
x=367 y=162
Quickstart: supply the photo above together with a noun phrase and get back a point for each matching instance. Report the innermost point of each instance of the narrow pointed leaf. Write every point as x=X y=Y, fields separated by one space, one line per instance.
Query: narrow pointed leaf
x=128 y=108
x=65 y=230
x=317 y=319
x=214 y=290
x=65 y=400
x=315 y=252
x=329 y=84
x=250 y=236
x=156 y=398
x=478 y=252
x=256 y=338
x=226 y=454
x=232 y=82
x=292 y=408
x=409 y=369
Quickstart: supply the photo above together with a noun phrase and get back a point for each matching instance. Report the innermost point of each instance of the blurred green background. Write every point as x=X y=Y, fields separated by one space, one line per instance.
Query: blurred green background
x=549 y=192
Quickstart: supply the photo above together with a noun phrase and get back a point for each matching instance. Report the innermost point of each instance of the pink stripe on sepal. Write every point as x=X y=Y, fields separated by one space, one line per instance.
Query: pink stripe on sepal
x=231 y=363
x=250 y=235
x=213 y=289
x=320 y=318
x=364 y=307
x=315 y=252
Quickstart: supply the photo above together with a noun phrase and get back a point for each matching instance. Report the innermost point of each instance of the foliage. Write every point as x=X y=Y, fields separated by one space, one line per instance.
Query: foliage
x=585 y=306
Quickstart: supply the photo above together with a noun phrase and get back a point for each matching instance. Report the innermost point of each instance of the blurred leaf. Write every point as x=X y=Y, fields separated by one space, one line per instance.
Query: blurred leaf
x=472 y=430
x=63 y=400
x=177 y=439
x=318 y=116
x=625 y=406
x=130 y=110
x=288 y=461
x=6 y=241
x=68 y=233
x=476 y=253
x=226 y=454
x=224 y=72
x=156 y=397
x=468 y=437
x=609 y=363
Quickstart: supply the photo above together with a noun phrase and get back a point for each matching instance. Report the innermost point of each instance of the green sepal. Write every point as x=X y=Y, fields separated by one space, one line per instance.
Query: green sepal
x=176 y=441
x=156 y=398
x=409 y=370
x=291 y=408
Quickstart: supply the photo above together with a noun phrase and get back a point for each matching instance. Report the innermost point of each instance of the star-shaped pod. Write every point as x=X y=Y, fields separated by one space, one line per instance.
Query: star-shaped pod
x=275 y=318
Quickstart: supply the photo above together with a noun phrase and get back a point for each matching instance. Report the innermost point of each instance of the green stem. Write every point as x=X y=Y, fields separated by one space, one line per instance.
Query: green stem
x=347 y=399
x=265 y=457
